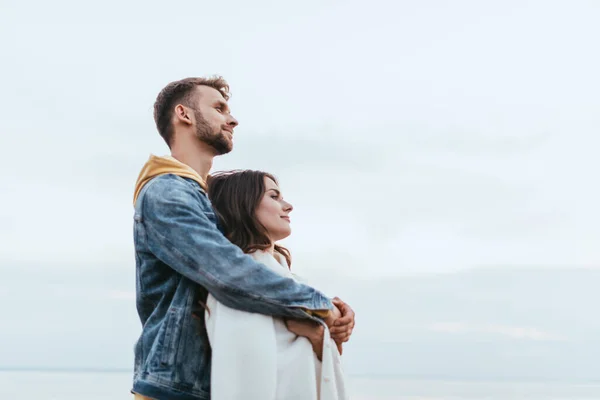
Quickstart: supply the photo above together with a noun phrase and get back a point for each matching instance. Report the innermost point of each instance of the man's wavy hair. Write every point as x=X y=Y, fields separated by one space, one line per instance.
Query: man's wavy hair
x=181 y=92
x=235 y=196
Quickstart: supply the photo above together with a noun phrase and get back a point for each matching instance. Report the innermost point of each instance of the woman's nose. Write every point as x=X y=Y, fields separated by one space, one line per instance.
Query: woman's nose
x=287 y=206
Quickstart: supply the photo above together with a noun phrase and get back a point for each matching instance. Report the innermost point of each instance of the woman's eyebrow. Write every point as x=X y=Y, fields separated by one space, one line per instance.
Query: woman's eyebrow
x=275 y=190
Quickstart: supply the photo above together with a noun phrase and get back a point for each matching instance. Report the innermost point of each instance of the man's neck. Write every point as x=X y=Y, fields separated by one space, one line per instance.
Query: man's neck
x=197 y=156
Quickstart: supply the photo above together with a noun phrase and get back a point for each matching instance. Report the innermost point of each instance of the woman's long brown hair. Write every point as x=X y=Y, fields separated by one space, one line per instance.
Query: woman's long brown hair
x=235 y=196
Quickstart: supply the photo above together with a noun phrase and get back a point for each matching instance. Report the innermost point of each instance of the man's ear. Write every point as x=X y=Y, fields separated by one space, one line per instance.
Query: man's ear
x=183 y=115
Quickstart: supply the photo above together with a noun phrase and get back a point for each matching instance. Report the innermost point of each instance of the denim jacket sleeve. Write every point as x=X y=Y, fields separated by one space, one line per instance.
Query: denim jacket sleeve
x=179 y=232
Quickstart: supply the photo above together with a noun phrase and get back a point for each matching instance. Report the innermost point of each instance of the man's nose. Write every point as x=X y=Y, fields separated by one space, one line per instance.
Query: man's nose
x=232 y=121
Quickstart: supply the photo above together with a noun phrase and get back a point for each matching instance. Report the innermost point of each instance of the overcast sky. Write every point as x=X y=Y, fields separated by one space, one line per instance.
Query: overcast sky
x=411 y=137
x=449 y=134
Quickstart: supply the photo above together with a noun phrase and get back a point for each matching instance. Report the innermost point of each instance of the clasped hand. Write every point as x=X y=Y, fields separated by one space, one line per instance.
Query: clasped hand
x=340 y=323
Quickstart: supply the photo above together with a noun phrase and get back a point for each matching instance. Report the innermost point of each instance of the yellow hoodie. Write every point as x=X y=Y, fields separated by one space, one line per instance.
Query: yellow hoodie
x=156 y=166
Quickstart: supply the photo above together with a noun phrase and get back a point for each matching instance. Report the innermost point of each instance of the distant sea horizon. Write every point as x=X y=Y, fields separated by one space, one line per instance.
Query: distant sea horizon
x=407 y=377
x=24 y=383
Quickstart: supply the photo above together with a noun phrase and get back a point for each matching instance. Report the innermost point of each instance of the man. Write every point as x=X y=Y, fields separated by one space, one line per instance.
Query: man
x=181 y=255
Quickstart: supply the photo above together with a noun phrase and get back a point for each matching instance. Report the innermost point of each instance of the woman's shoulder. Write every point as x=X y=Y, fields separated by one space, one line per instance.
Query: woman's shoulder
x=273 y=260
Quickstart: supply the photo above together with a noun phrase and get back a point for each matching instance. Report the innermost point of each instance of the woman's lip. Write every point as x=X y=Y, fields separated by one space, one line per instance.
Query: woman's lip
x=286 y=218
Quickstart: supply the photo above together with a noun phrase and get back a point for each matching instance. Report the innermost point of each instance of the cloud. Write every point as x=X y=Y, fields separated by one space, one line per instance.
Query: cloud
x=432 y=154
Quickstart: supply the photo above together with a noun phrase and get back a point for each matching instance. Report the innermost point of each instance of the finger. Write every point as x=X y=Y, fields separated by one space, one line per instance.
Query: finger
x=346 y=310
x=347 y=317
x=348 y=336
x=345 y=320
x=341 y=339
x=341 y=334
x=339 y=304
x=342 y=307
x=346 y=330
x=338 y=329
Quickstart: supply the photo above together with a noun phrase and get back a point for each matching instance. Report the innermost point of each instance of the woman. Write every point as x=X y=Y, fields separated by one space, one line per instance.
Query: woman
x=257 y=356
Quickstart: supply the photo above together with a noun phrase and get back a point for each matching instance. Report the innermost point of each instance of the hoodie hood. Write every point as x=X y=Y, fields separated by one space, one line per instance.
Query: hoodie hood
x=156 y=166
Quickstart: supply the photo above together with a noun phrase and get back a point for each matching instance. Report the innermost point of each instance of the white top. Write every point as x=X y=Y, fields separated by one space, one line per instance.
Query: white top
x=255 y=357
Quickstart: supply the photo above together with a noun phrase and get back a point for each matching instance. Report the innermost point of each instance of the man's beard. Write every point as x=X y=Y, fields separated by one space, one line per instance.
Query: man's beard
x=205 y=133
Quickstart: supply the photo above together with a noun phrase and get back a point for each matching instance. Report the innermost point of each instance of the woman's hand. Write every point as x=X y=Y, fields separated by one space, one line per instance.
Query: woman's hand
x=310 y=330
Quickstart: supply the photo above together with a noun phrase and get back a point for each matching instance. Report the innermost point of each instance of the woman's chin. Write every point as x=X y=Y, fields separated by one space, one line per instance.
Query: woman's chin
x=281 y=235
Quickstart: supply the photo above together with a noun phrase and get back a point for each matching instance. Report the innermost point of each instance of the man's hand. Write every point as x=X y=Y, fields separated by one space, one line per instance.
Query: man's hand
x=333 y=316
x=342 y=327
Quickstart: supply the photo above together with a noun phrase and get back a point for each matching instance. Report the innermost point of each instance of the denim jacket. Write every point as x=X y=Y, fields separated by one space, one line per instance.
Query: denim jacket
x=180 y=255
